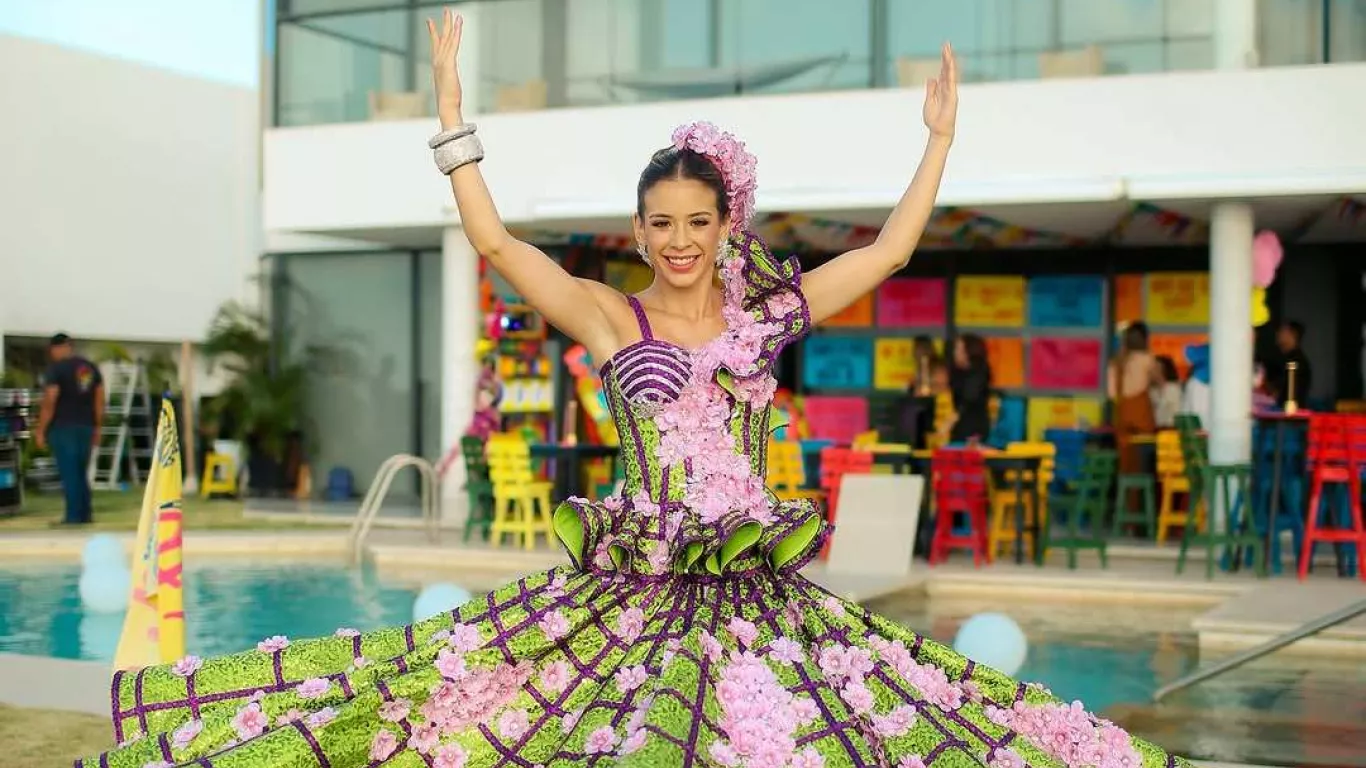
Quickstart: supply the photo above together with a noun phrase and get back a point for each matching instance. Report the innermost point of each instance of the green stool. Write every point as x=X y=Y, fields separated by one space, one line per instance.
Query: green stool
x=478 y=487
x=1234 y=483
x=1127 y=486
x=1084 y=505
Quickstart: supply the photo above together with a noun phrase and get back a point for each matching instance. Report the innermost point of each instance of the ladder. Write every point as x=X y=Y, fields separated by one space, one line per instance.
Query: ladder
x=126 y=438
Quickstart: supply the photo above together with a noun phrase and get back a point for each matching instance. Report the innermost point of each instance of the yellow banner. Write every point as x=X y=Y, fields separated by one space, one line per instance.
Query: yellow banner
x=893 y=364
x=1062 y=413
x=154 y=631
x=989 y=301
x=1178 y=298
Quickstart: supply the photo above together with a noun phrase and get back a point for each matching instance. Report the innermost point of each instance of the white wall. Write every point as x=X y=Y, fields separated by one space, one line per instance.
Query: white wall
x=1198 y=134
x=129 y=203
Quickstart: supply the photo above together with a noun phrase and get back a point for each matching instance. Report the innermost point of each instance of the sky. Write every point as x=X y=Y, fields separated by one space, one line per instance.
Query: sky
x=217 y=40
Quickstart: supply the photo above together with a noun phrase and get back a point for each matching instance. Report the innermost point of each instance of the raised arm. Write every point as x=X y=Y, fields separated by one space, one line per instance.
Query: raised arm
x=573 y=305
x=842 y=280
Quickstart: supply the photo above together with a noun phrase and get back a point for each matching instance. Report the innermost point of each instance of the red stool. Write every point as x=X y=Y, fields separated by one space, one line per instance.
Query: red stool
x=960 y=485
x=1337 y=456
x=835 y=464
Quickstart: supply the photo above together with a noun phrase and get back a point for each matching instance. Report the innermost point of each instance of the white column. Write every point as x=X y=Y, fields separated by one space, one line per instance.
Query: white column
x=459 y=369
x=1235 y=34
x=1230 y=326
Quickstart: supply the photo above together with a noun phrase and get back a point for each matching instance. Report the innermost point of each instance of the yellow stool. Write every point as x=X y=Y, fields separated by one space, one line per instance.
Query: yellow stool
x=521 y=501
x=1171 y=474
x=220 y=476
x=1001 y=532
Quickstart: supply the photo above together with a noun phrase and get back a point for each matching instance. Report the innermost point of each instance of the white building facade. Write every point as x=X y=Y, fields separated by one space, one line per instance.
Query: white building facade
x=1246 y=114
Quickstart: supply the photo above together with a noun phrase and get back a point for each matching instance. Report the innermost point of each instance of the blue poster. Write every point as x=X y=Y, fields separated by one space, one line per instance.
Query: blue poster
x=837 y=362
x=1066 y=302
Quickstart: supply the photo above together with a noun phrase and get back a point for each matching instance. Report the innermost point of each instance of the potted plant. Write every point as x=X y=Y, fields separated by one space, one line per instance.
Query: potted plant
x=263 y=405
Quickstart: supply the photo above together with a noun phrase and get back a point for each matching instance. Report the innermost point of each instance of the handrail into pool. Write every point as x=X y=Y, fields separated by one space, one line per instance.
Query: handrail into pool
x=1299 y=633
x=379 y=488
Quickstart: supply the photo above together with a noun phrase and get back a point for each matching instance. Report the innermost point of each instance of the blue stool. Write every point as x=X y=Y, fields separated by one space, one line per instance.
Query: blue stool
x=341 y=485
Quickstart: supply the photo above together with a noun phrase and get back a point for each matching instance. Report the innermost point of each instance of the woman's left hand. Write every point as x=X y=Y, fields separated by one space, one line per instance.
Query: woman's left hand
x=941 y=97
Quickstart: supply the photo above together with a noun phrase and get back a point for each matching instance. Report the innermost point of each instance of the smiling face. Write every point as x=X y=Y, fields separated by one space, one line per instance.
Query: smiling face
x=681 y=230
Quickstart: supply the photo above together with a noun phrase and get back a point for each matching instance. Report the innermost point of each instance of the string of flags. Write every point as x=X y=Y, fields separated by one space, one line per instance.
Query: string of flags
x=948 y=228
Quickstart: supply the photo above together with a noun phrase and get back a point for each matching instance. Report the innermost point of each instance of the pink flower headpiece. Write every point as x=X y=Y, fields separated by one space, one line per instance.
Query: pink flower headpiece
x=736 y=164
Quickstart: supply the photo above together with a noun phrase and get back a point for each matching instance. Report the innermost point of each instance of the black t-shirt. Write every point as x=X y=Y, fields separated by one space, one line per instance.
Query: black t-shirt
x=76 y=380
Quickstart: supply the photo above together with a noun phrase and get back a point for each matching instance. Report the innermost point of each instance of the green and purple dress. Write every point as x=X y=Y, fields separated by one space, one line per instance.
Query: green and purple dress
x=681 y=634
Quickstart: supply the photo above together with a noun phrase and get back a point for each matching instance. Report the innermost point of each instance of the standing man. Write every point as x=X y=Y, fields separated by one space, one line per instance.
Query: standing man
x=70 y=420
x=1289 y=338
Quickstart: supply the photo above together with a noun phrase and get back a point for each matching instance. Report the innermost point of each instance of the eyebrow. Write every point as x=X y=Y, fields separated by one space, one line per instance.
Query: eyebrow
x=694 y=213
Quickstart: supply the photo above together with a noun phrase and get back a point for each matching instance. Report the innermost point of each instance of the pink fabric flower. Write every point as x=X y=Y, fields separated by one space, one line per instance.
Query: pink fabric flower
x=273 y=644
x=723 y=753
x=600 y=741
x=293 y=715
x=630 y=678
x=858 y=697
x=314 y=688
x=1006 y=758
x=396 y=710
x=466 y=638
x=894 y=724
x=711 y=647
x=250 y=721
x=347 y=632
x=187 y=733
x=555 y=677
x=808 y=758
x=786 y=651
x=513 y=724
x=911 y=761
x=425 y=738
x=187 y=666
x=450 y=664
x=570 y=720
x=554 y=625
x=736 y=164
x=805 y=710
x=450 y=756
x=633 y=742
x=383 y=745
x=744 y=631
x=321 y=718
x=630 y=623
x=157 y=764
x=833 y=605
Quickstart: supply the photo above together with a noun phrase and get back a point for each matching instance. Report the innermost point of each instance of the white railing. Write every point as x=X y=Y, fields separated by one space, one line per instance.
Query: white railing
x=379 y=489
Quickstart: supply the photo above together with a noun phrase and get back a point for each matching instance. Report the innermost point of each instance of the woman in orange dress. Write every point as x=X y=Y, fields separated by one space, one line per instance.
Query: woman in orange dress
x=1130 y=378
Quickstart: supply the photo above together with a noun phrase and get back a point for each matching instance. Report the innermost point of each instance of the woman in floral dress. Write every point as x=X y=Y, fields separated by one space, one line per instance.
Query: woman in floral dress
x=681 y=633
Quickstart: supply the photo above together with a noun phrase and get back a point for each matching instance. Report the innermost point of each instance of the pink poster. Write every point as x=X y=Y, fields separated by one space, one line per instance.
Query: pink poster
x=1060 y=363
x=836 y=418
x=913 y=302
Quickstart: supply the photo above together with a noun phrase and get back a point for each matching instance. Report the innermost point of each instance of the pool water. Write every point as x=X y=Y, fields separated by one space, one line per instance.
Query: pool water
x=1277 y=711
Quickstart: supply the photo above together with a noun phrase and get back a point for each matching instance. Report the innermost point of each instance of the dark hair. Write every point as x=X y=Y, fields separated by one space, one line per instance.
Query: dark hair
x=59 y=340
x=674 y=163
x=976 y=347
x=1296 y=328
x=1135 y=337
x=1168 y=366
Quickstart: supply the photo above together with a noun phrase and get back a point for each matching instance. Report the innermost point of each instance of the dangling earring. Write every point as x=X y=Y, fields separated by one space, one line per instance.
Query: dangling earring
x=640 y=249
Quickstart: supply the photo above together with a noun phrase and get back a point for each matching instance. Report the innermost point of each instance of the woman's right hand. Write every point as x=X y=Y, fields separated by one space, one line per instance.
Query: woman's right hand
x=445 y=74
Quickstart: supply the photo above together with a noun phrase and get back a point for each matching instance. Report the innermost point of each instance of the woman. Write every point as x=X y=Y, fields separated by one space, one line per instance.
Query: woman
x=681 y=634
x=1167 y=394
x=970 y=383
x=1129 y=379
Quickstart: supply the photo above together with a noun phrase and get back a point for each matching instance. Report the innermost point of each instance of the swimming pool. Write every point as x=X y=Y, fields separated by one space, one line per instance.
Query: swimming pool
x=1278 y=711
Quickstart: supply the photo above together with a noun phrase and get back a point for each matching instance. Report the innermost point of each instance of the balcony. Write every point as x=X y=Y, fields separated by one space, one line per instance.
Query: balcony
x=355 y=60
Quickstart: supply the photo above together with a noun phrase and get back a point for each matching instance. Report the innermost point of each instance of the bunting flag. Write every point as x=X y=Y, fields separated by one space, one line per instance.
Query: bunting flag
x=154 y=630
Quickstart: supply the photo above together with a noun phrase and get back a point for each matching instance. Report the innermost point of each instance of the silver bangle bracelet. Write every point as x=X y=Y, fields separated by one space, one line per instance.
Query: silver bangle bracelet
x=457 y=152
x=448 y=136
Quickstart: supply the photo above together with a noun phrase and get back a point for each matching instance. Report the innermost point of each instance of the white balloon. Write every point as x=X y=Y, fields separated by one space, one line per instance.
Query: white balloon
x=102 y=550
x=105 y=589
x=993 y=639
x=438 y=598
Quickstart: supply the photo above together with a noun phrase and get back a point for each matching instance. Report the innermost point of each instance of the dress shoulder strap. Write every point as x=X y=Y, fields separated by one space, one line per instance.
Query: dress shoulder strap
x=641 y=319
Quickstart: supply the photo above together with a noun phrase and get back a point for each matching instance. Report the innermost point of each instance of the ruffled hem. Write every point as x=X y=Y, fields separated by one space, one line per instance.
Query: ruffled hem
x=773 y=294
x=606 y=541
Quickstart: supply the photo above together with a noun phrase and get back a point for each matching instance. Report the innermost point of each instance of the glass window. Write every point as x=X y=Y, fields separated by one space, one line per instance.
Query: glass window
x=363 y=412
x=430 y=360
x=994 y=39
x=795 y=45
x=1291 y=32
x=510 y=74
x=299 y=7
x=1347 y=30
x=329 y=66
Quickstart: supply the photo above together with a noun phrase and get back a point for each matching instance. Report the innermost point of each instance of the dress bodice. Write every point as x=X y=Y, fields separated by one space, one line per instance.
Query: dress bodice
x=693 y=426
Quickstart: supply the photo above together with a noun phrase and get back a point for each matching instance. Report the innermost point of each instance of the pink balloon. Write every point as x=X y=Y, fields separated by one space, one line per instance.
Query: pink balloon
x=1266 y=257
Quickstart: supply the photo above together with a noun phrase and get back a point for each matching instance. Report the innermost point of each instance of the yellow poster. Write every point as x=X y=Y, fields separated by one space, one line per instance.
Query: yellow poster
x=628 y=276
x=893 y=364
x=1062 y=413
x=1178 y=298
x=989 y=301
x=154 y=630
